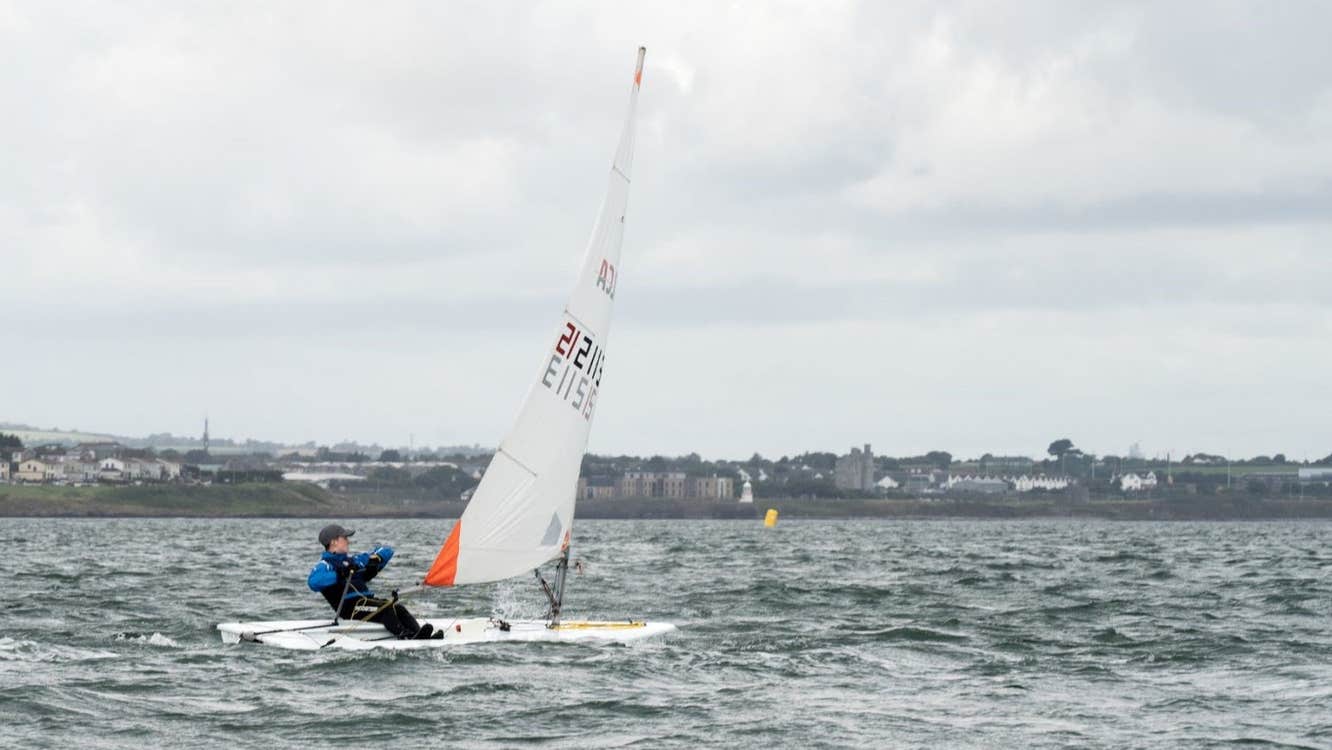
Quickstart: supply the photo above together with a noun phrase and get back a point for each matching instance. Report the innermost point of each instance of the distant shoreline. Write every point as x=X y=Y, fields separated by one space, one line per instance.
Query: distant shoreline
x=295 y=500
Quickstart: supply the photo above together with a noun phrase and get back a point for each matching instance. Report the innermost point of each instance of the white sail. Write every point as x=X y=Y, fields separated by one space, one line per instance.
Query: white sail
x=521 y=514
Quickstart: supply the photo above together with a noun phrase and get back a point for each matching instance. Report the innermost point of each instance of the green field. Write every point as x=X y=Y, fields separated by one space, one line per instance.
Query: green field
x=257 y=499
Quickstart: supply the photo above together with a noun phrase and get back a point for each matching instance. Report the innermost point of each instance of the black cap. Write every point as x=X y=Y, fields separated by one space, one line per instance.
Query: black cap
x=331 y=532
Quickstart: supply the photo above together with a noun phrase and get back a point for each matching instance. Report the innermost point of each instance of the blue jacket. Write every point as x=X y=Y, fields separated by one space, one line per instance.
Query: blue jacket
x=330 y=574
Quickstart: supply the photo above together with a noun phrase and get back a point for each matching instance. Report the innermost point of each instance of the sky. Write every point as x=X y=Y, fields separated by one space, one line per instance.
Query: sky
x=966 y=226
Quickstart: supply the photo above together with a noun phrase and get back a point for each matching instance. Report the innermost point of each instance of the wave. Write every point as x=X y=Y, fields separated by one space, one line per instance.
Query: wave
x=155 y=639
x=1123 y=556
x=1114 y=637
x=911 y=633
x=34 y=651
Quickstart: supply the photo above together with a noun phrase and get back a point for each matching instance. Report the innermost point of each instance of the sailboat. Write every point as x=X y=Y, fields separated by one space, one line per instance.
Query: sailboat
x=521 y=515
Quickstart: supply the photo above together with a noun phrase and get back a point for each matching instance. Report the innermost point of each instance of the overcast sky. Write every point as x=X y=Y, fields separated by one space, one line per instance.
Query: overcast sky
x=943 y=225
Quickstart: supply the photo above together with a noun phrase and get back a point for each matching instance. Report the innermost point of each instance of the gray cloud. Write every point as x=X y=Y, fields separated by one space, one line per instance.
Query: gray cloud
x=395 y=191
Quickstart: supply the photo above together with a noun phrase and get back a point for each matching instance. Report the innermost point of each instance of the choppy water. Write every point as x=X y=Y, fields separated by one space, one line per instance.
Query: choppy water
x=855 y=633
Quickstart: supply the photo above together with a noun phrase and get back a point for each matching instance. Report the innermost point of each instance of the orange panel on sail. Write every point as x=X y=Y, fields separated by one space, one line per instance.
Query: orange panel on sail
x=446 y=563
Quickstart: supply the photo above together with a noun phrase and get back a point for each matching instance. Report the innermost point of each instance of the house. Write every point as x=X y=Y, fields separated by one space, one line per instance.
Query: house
x=1027 y=482
x=1133 y=482
x=170 y=469
x=36 y=470
x=635 y=484
x=671 y=484
x=148 y=469
x=666 y=484
x=112 y=470
x=713 y=487
x=97 y=451
x=596 y=488
x=4 y=470
x=49 y=452
x=80 y=472
x=887 y=483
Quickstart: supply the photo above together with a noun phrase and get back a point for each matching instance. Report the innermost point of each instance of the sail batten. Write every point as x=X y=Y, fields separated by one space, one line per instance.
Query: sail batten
x=521 y=514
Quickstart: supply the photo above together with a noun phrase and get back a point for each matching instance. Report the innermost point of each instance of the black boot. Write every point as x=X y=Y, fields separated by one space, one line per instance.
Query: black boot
x=425 y=632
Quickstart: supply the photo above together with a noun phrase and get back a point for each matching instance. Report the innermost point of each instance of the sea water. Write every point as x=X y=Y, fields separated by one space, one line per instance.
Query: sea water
x=935 y=634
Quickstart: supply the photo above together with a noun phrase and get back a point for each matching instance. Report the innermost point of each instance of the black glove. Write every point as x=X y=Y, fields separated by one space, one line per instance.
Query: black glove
x=376 y=562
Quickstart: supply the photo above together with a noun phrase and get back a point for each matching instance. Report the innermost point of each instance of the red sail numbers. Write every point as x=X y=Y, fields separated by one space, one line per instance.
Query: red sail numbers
x=574 y=369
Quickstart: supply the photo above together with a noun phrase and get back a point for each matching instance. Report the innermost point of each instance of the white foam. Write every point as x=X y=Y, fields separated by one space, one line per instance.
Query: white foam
x=156 y=639
x=513 y=601
x=16 y=650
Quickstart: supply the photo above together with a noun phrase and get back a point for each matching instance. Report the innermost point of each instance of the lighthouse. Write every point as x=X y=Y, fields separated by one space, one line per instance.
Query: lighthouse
x=747 y=492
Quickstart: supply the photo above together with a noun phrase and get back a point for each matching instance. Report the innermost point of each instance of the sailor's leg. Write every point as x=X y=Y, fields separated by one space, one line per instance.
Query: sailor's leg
x=395 y=618
x=406 y=619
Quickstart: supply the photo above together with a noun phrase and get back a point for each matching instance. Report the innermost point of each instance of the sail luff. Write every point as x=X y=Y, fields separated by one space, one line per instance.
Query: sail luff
x=521 y=514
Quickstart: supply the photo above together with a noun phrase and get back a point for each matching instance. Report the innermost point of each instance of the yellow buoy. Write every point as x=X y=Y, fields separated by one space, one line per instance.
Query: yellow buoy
x=770 y=519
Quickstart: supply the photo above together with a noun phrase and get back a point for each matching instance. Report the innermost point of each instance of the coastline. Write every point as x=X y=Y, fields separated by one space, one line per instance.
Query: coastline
x=293 y=500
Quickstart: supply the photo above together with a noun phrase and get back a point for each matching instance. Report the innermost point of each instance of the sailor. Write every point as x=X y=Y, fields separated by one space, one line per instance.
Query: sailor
x=343 y=580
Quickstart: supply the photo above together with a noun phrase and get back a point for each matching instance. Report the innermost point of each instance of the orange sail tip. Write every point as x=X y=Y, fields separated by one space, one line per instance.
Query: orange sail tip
x=445 y=567
x=638 y=70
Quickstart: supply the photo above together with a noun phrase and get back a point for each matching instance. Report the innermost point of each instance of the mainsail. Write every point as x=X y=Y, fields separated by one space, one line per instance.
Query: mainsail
x=521 y=514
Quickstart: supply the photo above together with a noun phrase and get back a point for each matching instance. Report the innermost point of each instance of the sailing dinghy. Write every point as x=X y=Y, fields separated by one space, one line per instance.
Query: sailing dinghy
x=521 y=515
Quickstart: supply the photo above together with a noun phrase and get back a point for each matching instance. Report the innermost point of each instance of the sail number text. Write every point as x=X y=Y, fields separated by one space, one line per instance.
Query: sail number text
x=574 y=369
x=606 y=278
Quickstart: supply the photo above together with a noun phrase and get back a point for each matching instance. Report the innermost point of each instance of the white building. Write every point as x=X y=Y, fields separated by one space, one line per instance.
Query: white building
x=747 y=492
x=887 y=483
x=1137 y=482
x=1019 y=483
x=1027 y=482
x=112 y=470
x=150 y=470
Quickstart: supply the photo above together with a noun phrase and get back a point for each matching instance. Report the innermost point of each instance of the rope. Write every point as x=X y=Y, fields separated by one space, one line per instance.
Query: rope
x=382 y=607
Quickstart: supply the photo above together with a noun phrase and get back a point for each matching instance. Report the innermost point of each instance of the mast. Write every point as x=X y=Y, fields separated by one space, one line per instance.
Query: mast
x=555 y=594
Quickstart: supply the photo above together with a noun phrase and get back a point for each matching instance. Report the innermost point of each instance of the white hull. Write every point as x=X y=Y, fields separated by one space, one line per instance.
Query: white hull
x=315 y=635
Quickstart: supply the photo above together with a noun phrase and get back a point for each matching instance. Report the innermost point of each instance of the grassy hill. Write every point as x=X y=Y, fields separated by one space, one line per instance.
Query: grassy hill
x=258 y=499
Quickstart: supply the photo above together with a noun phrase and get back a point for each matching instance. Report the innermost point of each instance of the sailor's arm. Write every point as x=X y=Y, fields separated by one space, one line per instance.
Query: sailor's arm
x=322 y=576
x=373 y=561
